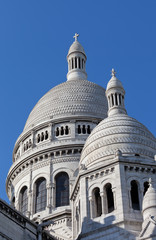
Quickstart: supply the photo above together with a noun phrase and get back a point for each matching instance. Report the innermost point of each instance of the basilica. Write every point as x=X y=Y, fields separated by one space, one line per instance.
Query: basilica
x=82 y=167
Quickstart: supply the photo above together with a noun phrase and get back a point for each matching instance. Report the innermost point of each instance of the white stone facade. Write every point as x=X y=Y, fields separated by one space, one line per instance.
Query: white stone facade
x=106 y=182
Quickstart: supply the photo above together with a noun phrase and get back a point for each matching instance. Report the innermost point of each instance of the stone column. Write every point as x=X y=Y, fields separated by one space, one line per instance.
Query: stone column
x=114 y=197
x=114 y=99
x=91 y=207
x=129 y=196
x=72 y=128
x=111 y=104
x=50 y=131
x=33 y=139
x=77 y=62
x=30 y=193
x=102 y=202
x=118 y=100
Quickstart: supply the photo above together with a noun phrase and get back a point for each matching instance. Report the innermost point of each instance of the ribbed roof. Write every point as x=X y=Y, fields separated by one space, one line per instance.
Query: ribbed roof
x=71 y=98
x=76 y=47
x=117 y=132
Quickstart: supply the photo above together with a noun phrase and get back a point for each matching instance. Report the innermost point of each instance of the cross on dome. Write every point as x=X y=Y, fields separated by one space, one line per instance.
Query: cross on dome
x=113 y=72
x=76 y=36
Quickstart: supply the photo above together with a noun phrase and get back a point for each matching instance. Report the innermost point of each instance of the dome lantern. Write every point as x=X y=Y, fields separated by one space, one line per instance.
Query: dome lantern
x=115 y=96
x=76 y=61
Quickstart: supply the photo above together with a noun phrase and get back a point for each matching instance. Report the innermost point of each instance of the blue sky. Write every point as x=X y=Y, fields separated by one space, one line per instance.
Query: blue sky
x=35 y=36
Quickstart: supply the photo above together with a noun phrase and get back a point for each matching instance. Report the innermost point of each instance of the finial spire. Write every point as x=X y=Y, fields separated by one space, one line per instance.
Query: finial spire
x=76 y=36
x=113 y=73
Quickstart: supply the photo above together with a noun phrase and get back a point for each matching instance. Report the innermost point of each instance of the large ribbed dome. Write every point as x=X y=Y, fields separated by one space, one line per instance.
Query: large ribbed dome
x=71 y=98
x=118 y=132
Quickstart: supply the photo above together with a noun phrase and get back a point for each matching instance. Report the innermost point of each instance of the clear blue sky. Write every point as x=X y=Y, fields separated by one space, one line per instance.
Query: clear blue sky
x=35 y=36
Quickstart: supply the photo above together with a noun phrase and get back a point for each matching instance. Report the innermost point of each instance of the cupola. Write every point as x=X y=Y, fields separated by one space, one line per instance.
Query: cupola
x=76 y=61
x=115 y=96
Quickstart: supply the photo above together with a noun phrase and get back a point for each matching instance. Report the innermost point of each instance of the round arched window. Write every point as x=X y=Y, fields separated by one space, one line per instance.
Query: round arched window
x=62 y=189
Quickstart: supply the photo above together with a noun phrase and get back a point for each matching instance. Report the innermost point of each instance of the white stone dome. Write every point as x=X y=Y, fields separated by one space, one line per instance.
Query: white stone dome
x=68 y=100
x=76 y=47
x=117 y=132
x=114 y=83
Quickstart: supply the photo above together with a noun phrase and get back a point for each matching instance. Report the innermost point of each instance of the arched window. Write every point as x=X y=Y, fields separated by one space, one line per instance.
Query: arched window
x=79 y=129
x=62 y=189
x=57 y=131
x=146 y=186
x=97 y=202
x=46 y=135
x=41 y=195
x=66 y=130
x=38 y=138
x=62 y=130
x=135 y=195
x=88 y=129
x=84 y=129
x=42 y=136
x=109 y=198
x=23 y=200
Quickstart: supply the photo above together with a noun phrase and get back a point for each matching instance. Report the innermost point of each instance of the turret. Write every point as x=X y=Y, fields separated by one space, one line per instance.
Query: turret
x=115 y=95
x=76 y=61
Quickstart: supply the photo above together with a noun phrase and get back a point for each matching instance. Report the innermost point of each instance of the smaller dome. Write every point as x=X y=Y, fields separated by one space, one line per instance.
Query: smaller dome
x=149 y=202
x=76 y=47
x=117 y=132
x=114 y=82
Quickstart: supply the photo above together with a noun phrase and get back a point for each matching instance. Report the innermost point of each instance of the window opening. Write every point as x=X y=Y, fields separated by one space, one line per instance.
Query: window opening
x=135 y=195
x=120 y=98
x=84 y=129
x=146 y=186
x=66 y=130
x=76 y=62
x=72 y=64
x=110 y=197
x=116 y=101
x=26 y=145
x=98 y=205
x=38 y=138
x=57 y=131
x=42 y=136
x=79 y=129
x=62 y=131
x=112 y=100
x=46 y=135
x=41 y=195
x=62 y=189
x=23 y=200
x=88 y=129
x=82 y=63
x=79 y=63
x=29 y=143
